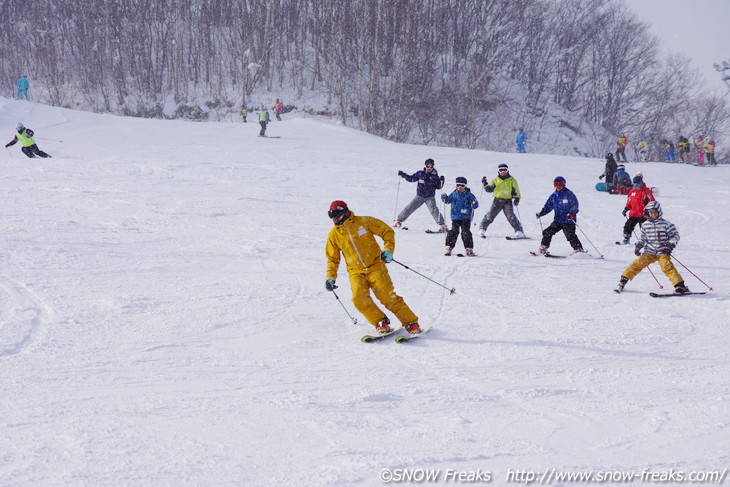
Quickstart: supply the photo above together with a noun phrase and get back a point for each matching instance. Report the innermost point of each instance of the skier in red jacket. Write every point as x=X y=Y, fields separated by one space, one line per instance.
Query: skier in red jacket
x=638 y=197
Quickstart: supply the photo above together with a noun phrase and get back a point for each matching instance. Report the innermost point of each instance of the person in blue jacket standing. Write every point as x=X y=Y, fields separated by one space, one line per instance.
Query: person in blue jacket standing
x=521 y=139
x=428 y=182
x=565 y=205
x=463 y=203
x=23 y=87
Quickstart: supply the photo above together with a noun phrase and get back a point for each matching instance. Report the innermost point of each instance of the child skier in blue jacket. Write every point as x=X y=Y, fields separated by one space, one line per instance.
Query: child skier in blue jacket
x=565 y=205
x=463 y=203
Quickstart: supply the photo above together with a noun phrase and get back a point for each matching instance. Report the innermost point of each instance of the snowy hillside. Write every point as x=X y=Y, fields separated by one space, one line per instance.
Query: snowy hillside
x=164 y=322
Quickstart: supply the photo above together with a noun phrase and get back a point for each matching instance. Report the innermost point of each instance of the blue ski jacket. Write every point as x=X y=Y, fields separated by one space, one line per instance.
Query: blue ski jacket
x=563 y=203
x=462 y=204
x=428 y=183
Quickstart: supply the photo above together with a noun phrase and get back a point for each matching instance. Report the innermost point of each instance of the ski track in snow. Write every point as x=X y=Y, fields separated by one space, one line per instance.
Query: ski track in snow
x=164 y=320
x=22 y=317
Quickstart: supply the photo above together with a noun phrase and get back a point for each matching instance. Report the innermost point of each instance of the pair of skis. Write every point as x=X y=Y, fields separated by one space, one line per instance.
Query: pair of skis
x=398 y=339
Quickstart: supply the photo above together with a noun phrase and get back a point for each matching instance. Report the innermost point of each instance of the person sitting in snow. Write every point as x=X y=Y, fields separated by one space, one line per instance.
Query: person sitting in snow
x=506 y=191
x=658 y=239
x=463 y=203
x=428 y=182
x=621 y=181
x=25 y=137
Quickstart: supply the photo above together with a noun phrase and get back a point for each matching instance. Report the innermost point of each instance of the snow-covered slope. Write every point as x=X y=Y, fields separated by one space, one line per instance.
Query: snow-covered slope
x=163 y=318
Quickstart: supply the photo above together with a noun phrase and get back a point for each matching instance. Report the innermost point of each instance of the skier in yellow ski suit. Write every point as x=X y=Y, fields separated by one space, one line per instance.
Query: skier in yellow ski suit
x=354 y=237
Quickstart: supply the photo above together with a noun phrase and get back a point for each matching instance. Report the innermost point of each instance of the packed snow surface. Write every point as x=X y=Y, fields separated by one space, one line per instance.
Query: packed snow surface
x=164 y=322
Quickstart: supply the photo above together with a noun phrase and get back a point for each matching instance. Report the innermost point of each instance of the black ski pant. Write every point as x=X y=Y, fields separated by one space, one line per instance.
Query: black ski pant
x=465 y=226
x=620 y=153
x=33 y=151
x=568 y=230
x=631 y=223
x=263 y=128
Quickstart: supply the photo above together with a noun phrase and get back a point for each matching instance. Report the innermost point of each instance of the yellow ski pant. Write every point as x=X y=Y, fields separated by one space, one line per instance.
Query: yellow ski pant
x=378 y=280
x=665 y=262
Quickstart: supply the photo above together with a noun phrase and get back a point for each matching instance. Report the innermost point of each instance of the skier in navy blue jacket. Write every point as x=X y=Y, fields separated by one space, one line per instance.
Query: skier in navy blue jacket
x=428 y=182
x=463 y=203
x=565 y=205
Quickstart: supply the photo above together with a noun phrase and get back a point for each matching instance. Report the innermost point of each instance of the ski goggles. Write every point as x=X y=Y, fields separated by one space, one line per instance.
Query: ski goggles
x=461 y=185
x=336 y=213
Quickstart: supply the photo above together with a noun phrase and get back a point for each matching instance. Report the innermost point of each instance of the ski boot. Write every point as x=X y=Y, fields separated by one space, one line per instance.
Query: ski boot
x=621 y=283
x=680 y=288
x=383 y=326
x=448 y=251
x=412 y=328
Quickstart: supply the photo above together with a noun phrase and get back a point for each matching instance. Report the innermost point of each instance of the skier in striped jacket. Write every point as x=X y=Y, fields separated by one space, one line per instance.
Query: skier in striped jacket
x=658 y=239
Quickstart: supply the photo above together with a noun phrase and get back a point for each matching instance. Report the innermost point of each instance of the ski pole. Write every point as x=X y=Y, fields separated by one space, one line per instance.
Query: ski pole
x=452 y=290
x=354 y=320
x=11 y=154
x=657 y=280
x=43 y=138
x=397 y=193
x=589 y=240
x=703 y=282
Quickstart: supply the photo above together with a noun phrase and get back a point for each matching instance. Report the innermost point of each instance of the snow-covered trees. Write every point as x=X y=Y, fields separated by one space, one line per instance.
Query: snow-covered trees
x=454 y=72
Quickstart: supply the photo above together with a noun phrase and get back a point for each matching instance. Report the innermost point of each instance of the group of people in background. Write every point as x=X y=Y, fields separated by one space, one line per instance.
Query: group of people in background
x=506 y=199
x=701 y=152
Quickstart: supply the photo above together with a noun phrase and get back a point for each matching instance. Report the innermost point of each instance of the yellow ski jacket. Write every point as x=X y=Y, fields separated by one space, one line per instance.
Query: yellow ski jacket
x=355 y=239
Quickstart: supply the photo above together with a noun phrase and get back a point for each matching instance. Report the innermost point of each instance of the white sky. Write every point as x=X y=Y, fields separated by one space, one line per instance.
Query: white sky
x=697 y=28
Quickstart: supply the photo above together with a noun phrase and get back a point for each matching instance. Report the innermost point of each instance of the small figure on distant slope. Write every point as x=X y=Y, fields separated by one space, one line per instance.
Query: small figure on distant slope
x=278 y=109
x=621 y=144
x=23 y=87
x=263 y=121
x=521 y=139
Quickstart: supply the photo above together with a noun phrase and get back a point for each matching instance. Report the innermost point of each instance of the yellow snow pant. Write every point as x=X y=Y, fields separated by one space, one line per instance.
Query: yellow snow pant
x=665 y=262
x=378 y=280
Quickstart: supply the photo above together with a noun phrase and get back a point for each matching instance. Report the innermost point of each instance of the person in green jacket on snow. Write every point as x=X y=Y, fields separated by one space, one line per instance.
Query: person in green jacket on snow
x=263 y=121
x=28 y=145
x=506 y=191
